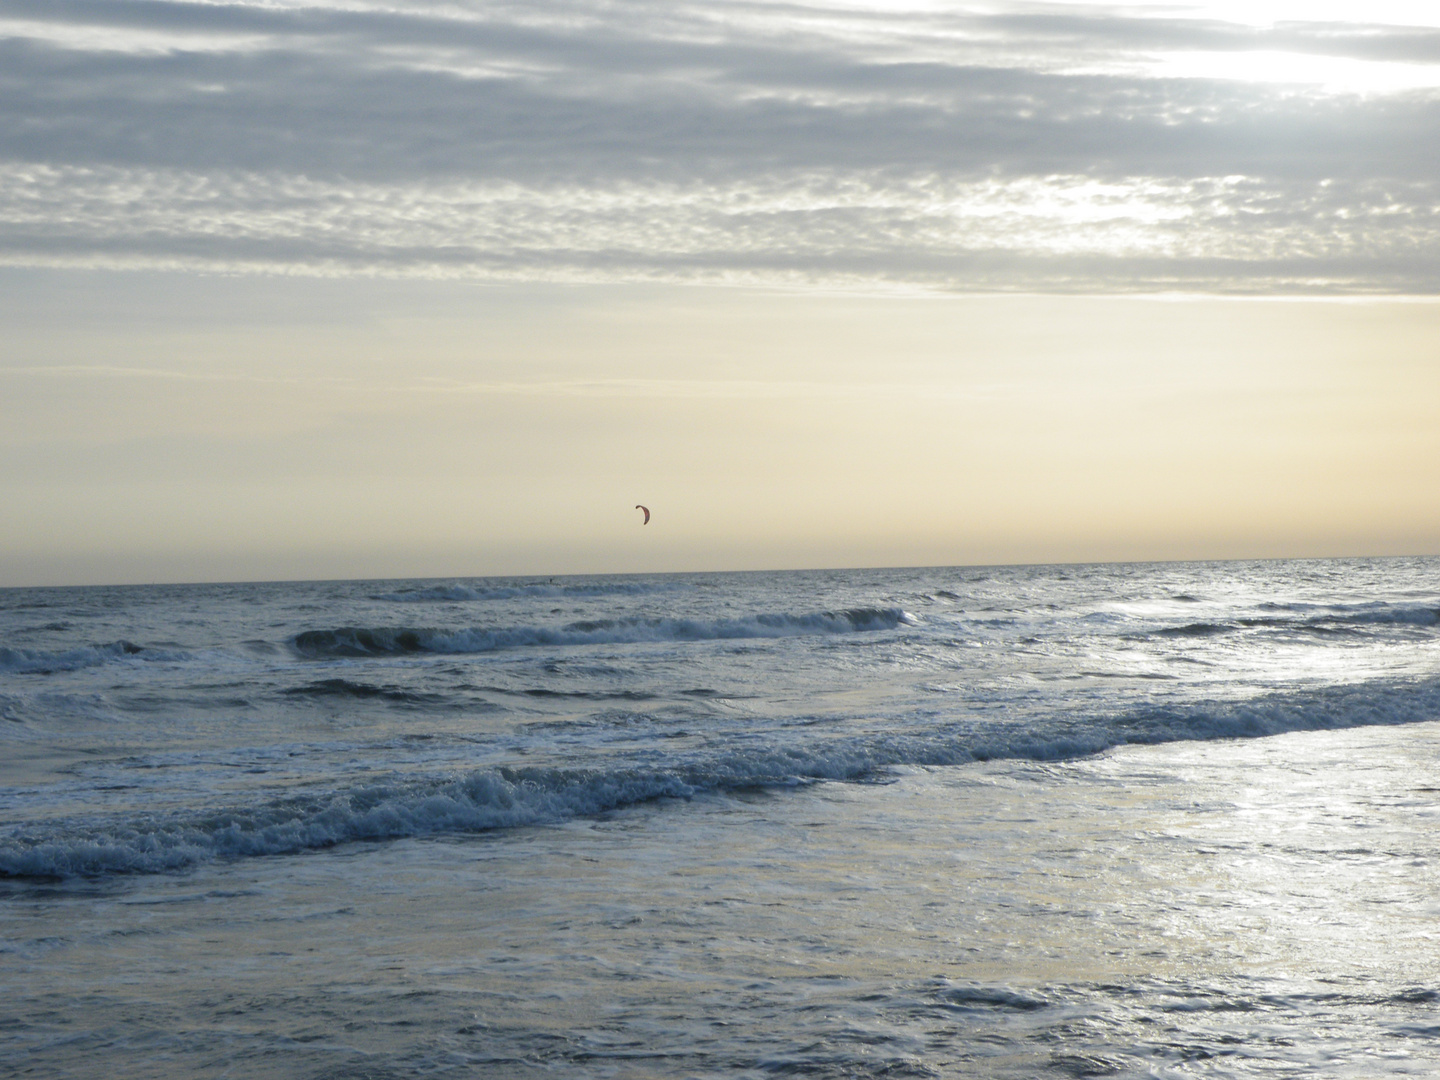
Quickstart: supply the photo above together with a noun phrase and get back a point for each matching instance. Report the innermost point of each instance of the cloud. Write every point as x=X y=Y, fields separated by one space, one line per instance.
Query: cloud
x=1031 y=147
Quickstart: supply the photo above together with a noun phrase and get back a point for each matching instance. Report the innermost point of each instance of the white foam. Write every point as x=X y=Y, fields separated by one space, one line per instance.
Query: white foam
x=488 y=799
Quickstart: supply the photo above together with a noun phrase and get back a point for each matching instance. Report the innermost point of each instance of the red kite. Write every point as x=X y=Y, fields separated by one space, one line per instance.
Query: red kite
x=647 y=513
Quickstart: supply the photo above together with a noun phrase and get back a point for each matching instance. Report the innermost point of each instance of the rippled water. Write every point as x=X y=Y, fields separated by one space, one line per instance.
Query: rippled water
x=970 y=822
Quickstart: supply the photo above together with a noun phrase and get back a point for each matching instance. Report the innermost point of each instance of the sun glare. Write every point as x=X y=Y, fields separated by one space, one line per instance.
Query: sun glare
x=1334 y=74
x=1261 y=12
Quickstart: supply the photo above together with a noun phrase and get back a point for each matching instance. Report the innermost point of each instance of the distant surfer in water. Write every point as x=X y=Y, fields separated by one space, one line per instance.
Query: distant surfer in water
x=647 y=513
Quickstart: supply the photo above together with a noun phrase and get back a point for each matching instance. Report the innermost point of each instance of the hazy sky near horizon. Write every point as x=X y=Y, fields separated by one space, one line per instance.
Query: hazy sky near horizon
x=322 y=288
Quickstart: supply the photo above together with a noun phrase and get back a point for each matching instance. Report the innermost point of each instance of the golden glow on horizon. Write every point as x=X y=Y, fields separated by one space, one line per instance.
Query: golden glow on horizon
x=512 y=431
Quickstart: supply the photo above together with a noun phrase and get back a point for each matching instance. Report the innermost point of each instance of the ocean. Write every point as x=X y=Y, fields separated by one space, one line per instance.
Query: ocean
x=1148 y=820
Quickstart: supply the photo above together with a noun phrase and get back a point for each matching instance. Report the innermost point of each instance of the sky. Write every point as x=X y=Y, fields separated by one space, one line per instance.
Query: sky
x=342 y=288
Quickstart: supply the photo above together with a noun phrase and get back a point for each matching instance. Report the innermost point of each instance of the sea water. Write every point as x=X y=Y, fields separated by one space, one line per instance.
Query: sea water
x=1122 y=820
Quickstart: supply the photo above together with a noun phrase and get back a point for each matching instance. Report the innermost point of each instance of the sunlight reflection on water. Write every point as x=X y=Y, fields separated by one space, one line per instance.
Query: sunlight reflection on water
x=1242 y=908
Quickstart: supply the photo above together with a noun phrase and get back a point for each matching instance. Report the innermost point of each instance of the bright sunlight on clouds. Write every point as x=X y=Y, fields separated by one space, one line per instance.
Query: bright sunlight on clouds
x=936 y=147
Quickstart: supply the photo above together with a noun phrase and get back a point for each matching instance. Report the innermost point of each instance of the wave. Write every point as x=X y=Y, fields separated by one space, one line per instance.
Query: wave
x=500 y=798
x=352 y=641
x=483 y=800
x=38 y=712
x=345 y=688
x=967 y=996
x=553 y=590
x=583 y=695
x=450 y=593
x=1412 y=616
x=38 y=662
x=1352 y=620
x=1195 y=630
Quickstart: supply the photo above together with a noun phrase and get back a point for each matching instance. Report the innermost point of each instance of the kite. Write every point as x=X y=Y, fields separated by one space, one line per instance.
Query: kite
x=647 y=513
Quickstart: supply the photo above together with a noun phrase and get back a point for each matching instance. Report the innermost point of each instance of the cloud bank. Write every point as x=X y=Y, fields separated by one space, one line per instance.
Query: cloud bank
x=1067 y=147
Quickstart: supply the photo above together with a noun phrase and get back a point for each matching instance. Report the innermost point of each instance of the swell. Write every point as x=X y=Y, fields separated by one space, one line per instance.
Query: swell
x=501 y=798
x=352 y=641
x=542 y=590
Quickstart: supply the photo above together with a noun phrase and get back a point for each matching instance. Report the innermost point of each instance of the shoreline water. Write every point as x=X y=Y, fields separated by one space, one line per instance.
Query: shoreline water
x=912 y=823
x=1248 y=907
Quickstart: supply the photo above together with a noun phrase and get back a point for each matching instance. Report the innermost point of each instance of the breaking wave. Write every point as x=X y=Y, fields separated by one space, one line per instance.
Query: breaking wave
x=501 y=798
x=38 y=662
x=352 y=641
x=1352 y=620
